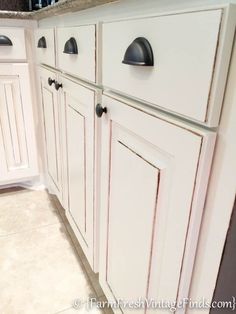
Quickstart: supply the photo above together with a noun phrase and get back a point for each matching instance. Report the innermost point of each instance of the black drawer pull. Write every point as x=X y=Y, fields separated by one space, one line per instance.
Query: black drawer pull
x=100 y=110
x=71 y=46
x=139 y=53
x=5 y=41
x=50 y=81
x=57 y=85
x=42 y=42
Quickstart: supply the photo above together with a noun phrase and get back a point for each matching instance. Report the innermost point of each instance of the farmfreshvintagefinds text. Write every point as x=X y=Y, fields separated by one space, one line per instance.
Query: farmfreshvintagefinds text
x=144 y=303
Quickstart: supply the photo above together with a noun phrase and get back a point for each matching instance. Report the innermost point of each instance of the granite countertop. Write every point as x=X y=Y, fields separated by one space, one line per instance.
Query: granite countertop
x=61 y=7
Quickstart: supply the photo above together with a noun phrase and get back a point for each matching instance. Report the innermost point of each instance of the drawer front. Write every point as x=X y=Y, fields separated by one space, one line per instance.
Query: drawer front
x=183 y=48
x=12 y=44
x=76 y=51
x=45 y=46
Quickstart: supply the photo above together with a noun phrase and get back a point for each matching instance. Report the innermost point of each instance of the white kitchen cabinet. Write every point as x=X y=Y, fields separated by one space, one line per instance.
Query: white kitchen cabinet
x=18 y=157
x=155 y=167
x=52 y=130
x=153 y=184
x=79 y=164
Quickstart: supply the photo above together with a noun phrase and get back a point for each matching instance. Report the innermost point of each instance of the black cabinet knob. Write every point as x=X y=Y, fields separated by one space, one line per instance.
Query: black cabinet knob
x=50 y=81
x=58 y=85
x=100 y=110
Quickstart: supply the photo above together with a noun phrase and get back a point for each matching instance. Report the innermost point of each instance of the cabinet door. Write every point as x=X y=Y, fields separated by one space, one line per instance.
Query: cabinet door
x=79 y=156
x=52 y=122
x=18 y=158
x=154 y=178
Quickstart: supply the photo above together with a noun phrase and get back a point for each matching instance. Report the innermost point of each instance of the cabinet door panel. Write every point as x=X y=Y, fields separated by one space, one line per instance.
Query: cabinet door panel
x=17 y=139
x=52 y=129
x=126 y=207
x=76 y=166
x=78 y=156
x=50 y=132
x=149 y=183
x=12 y=122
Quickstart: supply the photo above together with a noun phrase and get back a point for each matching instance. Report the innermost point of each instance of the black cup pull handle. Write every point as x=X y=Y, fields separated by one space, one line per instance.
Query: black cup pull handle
x=57 y=85
x=71 y=47
x=139 y=53
x=42 y=42
x=5 y=41
x=100 y=110
x=50 y=81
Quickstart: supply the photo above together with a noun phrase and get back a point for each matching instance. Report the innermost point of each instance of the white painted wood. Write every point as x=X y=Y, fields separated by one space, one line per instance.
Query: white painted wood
x=220 y=195
x=138 y=9
x=194 y=230
x=145 y=211
x=97 y=182
x=83 y=64
x=52 y=130
x=224 y=51
x=180 y=79
x=30 y=24
x=79 y=163
x=219 y=202
x=17 y=138
x=46 y=55
x=17 y=51
x=77 y=166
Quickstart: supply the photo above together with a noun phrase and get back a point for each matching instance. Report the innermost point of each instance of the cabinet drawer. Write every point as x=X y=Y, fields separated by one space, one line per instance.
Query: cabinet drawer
x=45 y=45
x=76 y=51
x=12 y=44
x=184 y=50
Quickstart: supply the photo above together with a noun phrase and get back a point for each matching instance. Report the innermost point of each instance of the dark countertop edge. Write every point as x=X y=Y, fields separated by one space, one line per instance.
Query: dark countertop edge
x=61 y=7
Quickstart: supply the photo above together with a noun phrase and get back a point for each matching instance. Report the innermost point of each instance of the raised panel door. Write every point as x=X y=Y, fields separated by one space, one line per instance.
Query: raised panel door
x=17 y=138
x=52 y=132
x=154 y=178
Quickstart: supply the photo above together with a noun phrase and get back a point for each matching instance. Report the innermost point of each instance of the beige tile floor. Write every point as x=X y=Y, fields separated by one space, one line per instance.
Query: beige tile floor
x=42 y=268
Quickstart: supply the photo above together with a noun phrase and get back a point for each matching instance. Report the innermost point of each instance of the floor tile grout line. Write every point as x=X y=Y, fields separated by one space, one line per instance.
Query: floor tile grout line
x=28 y=230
